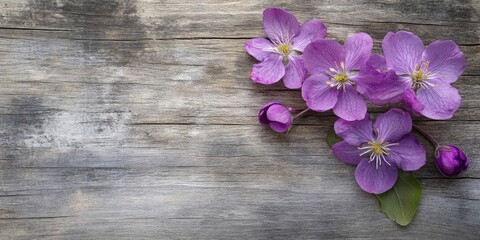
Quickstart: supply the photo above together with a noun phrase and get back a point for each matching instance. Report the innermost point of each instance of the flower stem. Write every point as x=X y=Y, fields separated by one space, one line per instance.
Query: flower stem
x=301 y=113
x=426 y=135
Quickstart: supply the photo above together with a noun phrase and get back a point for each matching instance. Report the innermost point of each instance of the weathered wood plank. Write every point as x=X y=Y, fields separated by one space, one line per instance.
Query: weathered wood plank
x=177 y=74
x=136 y=119
x=163 y=166
x=220 y=19
x=170 y=211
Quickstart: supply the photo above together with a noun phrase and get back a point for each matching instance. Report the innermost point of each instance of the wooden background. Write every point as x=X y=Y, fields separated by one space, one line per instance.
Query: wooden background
x=133 y=119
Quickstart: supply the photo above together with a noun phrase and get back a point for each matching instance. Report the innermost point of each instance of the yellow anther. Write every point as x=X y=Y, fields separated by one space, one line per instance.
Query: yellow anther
x=341 y=77
x=285 y=49
x=377 y=149
x=418 y=76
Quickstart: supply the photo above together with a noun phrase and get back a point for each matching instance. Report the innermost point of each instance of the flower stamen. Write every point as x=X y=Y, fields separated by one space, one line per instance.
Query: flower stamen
x=377 y=150
x=421 y=75
x=340 y=76
x=284 y=49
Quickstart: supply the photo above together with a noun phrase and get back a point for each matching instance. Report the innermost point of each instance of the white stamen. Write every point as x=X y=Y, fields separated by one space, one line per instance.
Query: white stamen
x=378 y=151
x=391 y=144
x=283 y=39
x=421 y=76
x=367 y=147
x=385 y=160
x=366 y=152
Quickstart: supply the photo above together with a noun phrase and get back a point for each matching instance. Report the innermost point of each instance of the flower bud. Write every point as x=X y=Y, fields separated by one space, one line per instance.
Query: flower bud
x=276 y=116
x=450 y=160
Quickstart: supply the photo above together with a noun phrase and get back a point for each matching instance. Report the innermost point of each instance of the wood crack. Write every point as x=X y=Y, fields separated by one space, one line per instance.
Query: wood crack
x=449 y=178
x=34 y=218
x=37 y=29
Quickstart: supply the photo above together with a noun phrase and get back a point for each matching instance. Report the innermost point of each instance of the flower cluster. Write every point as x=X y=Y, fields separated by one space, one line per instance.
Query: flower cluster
x=346 y=77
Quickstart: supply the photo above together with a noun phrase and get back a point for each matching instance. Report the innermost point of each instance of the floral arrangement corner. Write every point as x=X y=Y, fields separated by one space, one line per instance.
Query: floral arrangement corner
x=344 y=78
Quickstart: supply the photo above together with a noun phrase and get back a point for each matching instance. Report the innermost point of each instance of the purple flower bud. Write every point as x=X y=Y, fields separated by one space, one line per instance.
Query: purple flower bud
x=276 y=116
x=450 y=160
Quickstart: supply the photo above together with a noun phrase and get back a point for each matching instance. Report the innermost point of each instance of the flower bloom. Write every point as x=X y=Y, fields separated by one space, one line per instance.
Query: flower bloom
x=379 y=149
x=276 y=116
x=424 y=74
x=280 y=56
x=451 y=160
x=335 y=76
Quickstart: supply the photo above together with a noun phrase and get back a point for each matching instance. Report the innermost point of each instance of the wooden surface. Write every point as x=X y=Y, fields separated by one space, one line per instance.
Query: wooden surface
x=130 y=119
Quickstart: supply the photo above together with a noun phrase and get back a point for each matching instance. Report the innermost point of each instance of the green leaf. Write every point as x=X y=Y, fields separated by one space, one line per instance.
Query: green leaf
x=341 y=41
x=332 y=138
x=400 y=203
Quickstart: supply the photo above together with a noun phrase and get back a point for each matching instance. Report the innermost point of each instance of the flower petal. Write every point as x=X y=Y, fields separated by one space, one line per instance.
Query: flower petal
x=270 y=71
x=445 y=59
x=321 y=55
x=309 y=32
x=393 y=125
x=279 y=24
x=440 y=102
x=259 y=48
x=279 y=127
x=378 y=87
x=295 y=72
x=409 y=155
x=354 y=132
x=410 y=101
x=378 y=62
x=262 y=115
x=358 y=49
x=350 y=106
x=279 y=117
x=402 y=51
x=349 y=154
x=318 y=95
x=278 y=113
x=374 y=180
x=367 y=80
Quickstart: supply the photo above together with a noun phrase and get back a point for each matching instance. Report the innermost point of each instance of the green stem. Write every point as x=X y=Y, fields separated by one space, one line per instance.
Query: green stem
x=426 y=135
x=301 y=113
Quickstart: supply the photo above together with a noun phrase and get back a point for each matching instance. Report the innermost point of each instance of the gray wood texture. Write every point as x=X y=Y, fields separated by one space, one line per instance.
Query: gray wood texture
x=136 y=119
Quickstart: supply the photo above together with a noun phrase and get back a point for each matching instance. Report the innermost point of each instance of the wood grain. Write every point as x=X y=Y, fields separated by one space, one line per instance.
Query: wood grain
x=129 y=119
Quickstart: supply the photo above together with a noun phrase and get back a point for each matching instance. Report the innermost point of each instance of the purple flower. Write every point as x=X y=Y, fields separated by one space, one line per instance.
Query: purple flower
x=280 y=56
x=424 y=74
x=335 y=76
x=276 y=116
x=380 y=149
x=450 y=160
